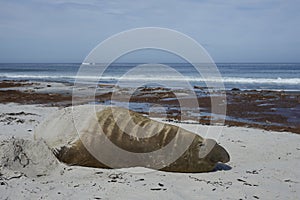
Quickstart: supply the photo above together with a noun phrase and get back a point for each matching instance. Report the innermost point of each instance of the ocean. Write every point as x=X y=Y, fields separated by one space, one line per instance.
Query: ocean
x=245 y=76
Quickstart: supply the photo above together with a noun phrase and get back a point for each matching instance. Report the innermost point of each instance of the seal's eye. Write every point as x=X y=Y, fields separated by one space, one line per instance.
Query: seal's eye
x=206 y=147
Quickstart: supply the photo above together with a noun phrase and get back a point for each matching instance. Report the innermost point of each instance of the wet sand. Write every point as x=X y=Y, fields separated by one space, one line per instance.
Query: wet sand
x=269 y=110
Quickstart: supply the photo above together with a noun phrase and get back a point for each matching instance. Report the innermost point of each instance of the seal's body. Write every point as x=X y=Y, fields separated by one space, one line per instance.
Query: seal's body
x=117 y=137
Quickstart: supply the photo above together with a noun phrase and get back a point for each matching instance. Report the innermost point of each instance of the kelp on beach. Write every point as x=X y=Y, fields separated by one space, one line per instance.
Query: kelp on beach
x=269 y=110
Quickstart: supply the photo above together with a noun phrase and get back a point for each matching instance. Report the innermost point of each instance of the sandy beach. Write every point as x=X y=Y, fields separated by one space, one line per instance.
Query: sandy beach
x=264 y=165
x=149 y=100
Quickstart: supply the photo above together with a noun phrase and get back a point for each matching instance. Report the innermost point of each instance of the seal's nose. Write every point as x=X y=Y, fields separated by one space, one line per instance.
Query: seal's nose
x=210 y=150
x=219 y=154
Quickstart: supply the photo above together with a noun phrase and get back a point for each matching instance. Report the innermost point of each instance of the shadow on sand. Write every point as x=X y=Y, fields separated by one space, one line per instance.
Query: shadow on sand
x=222 y=167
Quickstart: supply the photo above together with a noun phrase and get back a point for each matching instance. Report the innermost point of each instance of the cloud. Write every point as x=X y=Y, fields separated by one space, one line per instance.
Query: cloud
x=231 y=30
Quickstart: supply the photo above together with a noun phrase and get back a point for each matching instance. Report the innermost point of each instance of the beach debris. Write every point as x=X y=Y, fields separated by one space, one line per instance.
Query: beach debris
x=159 y=188
x=155 y=189
x=290 y=181
x=116 y=178
x=246 y=183
x=218 y=183
x=253 y=171
x=3 y=183
x=13 y=118
x=241 y=180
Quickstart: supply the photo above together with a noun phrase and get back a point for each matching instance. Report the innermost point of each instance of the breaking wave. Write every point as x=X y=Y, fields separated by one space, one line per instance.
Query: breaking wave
x=280 y=81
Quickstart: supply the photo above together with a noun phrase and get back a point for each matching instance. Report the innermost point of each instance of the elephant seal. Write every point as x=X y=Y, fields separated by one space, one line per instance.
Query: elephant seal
x=79 y=136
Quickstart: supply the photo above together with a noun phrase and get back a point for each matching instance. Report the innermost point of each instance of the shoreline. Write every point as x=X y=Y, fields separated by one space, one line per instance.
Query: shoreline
x=268 y=110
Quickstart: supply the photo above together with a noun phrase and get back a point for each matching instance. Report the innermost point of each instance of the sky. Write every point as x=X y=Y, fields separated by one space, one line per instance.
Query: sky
x=230 y=31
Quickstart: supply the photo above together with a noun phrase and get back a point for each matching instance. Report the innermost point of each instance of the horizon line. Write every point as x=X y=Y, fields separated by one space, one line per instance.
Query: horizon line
x=150 y=63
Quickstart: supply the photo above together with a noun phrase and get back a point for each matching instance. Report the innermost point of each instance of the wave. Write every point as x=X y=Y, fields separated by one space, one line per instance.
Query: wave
x=237 y=80
x=288 y=81
x=36 y=77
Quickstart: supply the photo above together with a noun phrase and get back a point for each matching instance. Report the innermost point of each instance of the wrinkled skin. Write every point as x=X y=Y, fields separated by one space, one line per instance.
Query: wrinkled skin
x=202 y=155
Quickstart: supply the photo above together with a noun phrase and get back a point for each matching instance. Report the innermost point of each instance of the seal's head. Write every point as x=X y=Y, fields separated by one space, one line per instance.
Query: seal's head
x=213 y=152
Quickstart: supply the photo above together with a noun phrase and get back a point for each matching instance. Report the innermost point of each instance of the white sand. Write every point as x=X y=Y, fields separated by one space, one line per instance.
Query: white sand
x=12 y=125
x=265 y=165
